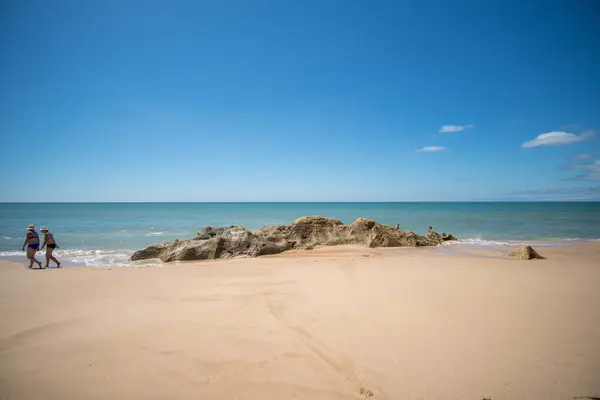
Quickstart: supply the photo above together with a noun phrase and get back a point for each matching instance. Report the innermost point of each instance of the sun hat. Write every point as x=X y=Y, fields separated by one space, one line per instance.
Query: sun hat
x=31 y=228
x=43 y=228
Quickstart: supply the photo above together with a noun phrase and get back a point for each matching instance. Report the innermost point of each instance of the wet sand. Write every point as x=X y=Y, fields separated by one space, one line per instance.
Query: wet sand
x=335 y=323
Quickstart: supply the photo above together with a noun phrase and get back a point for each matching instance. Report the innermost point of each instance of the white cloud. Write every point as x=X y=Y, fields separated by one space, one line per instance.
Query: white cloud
x=455 y=128
x=556 y=139
x=431 y=148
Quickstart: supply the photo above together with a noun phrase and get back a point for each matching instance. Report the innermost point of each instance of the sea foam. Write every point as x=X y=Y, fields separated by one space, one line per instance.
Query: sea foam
x=90 y=258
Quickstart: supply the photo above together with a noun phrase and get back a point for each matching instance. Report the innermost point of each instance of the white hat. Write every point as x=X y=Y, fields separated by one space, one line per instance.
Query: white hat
x=31 y=228
x=43 y=228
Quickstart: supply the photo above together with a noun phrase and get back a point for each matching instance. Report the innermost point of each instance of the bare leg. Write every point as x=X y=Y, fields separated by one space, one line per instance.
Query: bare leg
x=49 y=257
x=35 y=259
x=29 y=254
x=31 y=257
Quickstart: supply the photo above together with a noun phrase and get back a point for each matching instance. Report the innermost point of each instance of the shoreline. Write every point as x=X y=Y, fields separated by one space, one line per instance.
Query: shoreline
x=119 y=257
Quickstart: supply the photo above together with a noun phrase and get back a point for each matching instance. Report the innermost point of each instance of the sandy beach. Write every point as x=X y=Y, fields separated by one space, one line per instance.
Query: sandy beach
x=334 y=323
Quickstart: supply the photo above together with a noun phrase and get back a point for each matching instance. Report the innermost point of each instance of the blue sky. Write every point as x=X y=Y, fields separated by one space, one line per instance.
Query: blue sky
x=299 y=100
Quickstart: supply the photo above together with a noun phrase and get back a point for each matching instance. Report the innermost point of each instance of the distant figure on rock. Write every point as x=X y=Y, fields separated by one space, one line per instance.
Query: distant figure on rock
x=398 y=226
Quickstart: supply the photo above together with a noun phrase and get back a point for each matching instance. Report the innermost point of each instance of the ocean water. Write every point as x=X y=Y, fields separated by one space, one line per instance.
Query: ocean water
x=108 y=233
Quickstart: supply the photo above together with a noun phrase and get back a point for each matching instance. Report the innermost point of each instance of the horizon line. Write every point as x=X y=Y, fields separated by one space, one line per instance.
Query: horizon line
x=308 y=202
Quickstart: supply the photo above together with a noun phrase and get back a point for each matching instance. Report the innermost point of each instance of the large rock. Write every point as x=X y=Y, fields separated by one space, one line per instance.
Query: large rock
x=526 y=253
x=209 y=232
x=154 y=251
x=304 y=233
x=188 y=250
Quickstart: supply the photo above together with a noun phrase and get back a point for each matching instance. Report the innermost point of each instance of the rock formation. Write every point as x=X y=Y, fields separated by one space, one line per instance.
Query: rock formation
x=526 y=253
x=304 y=233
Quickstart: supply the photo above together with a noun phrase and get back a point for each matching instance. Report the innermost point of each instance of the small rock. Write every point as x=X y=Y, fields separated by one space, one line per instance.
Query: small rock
x=526 y=253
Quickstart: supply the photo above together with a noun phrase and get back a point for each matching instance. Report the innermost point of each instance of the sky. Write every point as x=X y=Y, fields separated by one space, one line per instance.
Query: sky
x=312 y=100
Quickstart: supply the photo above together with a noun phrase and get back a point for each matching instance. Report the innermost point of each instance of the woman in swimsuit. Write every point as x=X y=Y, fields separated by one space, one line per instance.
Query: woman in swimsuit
x=50 y=245
x=32 y=240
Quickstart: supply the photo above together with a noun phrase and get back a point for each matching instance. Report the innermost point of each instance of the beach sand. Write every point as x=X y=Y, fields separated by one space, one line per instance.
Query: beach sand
x=334 y=323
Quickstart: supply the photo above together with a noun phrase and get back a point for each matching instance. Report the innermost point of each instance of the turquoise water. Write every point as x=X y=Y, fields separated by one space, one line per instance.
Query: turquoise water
x=102 y=233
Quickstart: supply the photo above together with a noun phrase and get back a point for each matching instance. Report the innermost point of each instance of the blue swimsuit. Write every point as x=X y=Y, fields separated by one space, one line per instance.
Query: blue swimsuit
x=34 y=246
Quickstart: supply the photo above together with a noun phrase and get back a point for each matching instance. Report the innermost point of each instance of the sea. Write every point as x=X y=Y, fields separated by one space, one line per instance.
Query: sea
x=101 y=234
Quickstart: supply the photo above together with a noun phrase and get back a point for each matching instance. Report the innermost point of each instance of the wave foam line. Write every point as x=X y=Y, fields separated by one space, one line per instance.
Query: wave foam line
x=90 y=258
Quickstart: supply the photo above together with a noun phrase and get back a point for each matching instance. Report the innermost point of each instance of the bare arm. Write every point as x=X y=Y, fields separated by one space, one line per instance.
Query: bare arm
x=44 y=244
x=26 y=239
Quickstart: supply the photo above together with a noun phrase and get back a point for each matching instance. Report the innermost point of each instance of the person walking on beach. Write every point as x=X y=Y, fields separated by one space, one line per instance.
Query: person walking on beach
x=32 y=241
x=50 y=245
